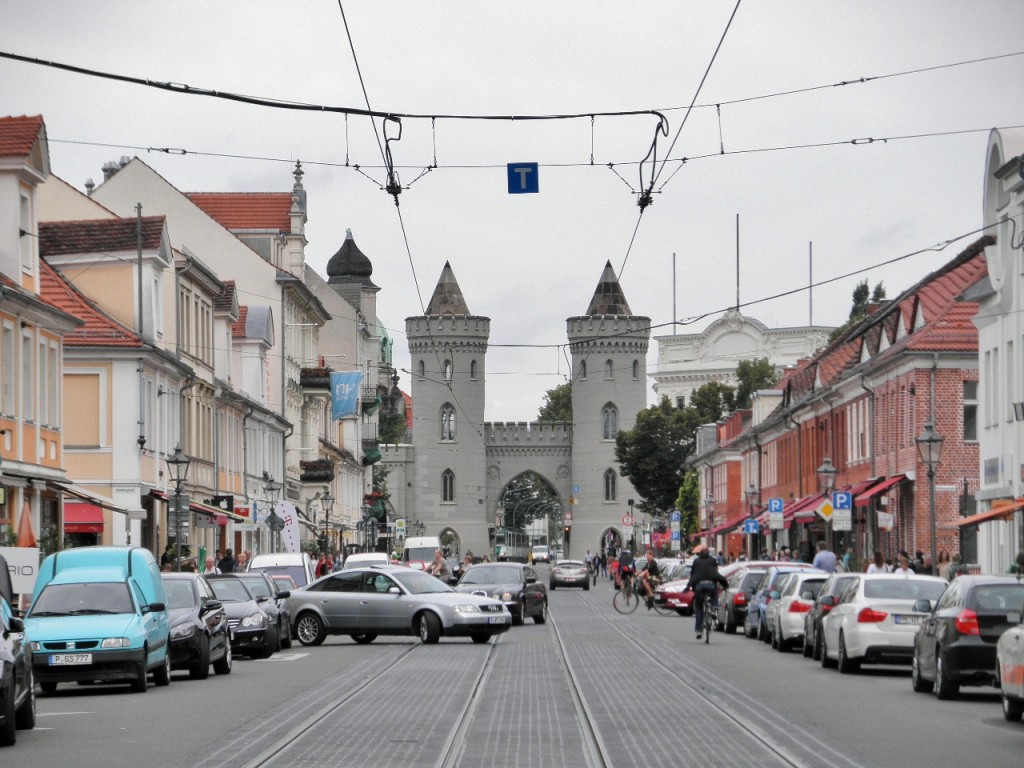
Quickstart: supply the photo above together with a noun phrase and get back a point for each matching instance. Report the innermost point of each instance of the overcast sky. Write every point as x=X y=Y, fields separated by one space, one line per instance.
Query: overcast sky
x=530 y=261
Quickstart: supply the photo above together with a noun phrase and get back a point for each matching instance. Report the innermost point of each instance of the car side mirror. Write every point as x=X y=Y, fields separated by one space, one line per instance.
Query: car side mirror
x=284 y=595
x=262 y=599
x=774 y=594
x=394 y=591
x=531 y=579
x=154 y=607
x=828 y=600
x=213 y=605
x=16 y=624
x=923 y=606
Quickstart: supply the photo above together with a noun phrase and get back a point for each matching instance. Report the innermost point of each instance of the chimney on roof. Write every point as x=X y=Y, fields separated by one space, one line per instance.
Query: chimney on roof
x=90 y=185
x=109 y=169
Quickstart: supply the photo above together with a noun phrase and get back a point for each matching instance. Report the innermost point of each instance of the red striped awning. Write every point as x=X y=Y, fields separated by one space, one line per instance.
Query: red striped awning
x=878 y=489
x=1002 y=512
x=82 y=518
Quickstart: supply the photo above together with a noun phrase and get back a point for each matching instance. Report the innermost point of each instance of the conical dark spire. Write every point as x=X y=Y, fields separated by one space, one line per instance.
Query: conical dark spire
x=447 y=298
x=608 y=298
x=349 y=261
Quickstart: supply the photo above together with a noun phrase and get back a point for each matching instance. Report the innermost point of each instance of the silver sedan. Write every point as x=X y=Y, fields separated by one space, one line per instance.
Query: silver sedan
x=391 y=600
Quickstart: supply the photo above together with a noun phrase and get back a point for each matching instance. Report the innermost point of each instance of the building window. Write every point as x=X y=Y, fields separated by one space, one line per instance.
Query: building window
x=970 y=410
x=609 y=485
x=25 y=241
x=609 y=369
x=636 y=369
x=583 y=369
x=8 y=354
x=447 y=422
x=609 y=422
x=472 y=370
x=423 y=369
x=448 y=486
x=28 y=404
x=447 y=370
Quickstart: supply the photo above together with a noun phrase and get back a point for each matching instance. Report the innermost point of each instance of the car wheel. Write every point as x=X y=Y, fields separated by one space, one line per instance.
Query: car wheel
x=8 y=734
x=429 y=627
x=730 y=623
x=944 y=687
x=480 y=637
x=808 y=647
x=222 y=666
x=270 y=642
x=551 y=586
x=773 y=638
x=817 y=648
x=918 y=683
x=847 y=666
x=586 y=587
x=162 y=674
x=200 y=670
x=139 y=681
x=286 y=636
x=761 y=633
x=363 y=638
x=748 y=631
x=782 y=645
x=25 y=718
x=519 y=614
x=542 y=617
x=310 y=629
x=826 y=662
x=48 y=686
x=1012 y=709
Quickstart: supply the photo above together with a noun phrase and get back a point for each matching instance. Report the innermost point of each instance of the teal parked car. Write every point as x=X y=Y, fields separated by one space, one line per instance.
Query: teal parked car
x=99 y=614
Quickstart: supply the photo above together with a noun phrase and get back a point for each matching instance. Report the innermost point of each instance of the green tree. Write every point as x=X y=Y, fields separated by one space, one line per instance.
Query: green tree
x=392 y=427
x=712 y=401
x=753 y=375
x=863 y=297
x=688 y=503
x=557 y=404
x=652 y=454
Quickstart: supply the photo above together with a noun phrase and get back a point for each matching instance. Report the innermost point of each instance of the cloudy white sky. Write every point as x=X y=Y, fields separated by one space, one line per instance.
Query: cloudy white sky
x=530 y=261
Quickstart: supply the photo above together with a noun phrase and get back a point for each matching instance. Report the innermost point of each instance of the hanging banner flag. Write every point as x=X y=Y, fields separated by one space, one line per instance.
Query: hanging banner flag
x=345 y=393
x=290 y=533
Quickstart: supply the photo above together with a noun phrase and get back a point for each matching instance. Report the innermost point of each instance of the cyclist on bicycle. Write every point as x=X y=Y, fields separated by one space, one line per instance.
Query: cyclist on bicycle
x=627 y=568
x=704 y=581
x=650 y=578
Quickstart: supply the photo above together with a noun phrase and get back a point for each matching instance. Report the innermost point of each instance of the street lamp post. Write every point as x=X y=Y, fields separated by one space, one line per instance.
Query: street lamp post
x=327 y=502
x=709 y=506
x=929 y=444
x=272 y=490
x=753 y=499
x=177 y=465
x=367 y=526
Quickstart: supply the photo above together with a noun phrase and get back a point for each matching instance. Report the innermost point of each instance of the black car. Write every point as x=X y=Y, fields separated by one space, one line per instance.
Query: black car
x=199 y=626
x=827 y=597
x=251 y=633
x=732 y=603
x=515 y=584
x=956 y=643
x=17 y=689
x=262 y=584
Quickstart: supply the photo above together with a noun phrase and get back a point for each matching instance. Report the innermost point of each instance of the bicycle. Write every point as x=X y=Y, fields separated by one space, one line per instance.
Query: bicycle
x=625 y=599
x=709 y=619
x=660 y=608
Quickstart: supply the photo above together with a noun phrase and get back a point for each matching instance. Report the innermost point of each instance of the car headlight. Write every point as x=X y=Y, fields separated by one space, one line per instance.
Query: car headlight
x=36 y=647
x=506 y=596
x=467 y=608
x=256 y=620
x=115 y=642
x=183 y=630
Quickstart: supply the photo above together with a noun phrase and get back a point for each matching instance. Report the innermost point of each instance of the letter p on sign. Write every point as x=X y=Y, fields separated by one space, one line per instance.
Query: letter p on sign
x=523 y=178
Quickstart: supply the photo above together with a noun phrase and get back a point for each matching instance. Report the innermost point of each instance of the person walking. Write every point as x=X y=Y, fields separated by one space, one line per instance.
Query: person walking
x=903 y=565
x=227 y=563
x=211 y=565
x=825 y=560
x=877 y=564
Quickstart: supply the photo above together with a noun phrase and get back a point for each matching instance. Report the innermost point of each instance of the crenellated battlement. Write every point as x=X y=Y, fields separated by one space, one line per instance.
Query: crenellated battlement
x=460 y=325
x=539 y=433
x=622 y=328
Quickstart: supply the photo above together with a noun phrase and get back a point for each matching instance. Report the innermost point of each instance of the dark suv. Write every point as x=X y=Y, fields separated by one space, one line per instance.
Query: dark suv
x=956 y=643
x=827 y=597
x=732 y=605
x=17 y=689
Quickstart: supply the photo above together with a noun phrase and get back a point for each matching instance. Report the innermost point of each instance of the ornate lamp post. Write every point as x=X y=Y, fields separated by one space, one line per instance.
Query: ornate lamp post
x=826 y=475
x=272 y=491
x=367 y=526
x=327 y=502
x=929 y=444
x=177 y=466
x=753 y=495
x=709 y=507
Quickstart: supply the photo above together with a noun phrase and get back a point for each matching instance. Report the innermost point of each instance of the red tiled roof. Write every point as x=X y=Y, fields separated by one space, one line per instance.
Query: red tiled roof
x=98 y=235
x=98 y=329
x=246 y=210
x=238 y=327
x=18 y=134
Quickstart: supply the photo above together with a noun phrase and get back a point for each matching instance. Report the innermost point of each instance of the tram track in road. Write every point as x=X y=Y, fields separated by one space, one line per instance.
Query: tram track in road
x=746 y=715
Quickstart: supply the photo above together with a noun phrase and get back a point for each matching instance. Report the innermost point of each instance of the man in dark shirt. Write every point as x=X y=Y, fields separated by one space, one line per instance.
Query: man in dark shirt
x=650 y=578
x=704 y=580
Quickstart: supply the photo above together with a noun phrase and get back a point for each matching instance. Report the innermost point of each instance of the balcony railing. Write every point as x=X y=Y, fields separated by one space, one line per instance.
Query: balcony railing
x=315 y=378
x=316 y=471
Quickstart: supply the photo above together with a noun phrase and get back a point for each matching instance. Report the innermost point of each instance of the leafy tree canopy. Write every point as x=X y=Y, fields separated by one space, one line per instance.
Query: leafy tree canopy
x=651 y=454
x=557 y=404
x=688 y=503
x=863 y=297
x=753 y=375
x=712 y=401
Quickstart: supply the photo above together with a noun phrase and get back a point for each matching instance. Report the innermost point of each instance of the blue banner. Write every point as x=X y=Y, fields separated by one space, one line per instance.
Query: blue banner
x=345 y=393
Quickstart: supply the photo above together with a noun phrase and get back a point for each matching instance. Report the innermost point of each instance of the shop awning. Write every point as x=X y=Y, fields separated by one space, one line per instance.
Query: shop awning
x=730 y=524
x=1002 y=512
x=80 y=517
x=88 y=496
x=878 y=489
x=221 y=516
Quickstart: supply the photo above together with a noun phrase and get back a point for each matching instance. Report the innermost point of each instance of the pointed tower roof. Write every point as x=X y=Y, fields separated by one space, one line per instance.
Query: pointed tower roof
x=608 y=298
x=447 y=298
x=349 y=261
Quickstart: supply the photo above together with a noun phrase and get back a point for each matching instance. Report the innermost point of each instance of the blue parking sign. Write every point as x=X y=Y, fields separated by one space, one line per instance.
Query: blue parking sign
x=775 y=504
x=842 y=500
x=675 y=517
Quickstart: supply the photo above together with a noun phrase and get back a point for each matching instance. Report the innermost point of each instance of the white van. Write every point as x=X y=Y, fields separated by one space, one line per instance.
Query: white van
x=359 y=559
x=541 y=553
x=419 y=550
x=298 y=565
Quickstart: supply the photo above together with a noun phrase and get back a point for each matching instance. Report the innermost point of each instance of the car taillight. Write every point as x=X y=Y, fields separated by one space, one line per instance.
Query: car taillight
x=966 y=623
x=870 y=616
x=825 y=608
x=740 y=598
x=797 y=607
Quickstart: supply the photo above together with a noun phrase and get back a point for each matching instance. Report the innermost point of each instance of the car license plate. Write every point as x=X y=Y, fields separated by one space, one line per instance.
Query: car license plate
x=496 y=620
x=906 y=619
x=70 y=658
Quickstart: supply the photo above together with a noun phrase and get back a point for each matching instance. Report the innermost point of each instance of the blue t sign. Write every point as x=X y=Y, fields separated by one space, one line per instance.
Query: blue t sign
x=523 y=178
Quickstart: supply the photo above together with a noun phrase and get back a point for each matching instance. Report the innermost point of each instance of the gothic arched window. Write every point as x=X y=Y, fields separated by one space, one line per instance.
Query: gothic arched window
x=448 y=486
x=583 y=369
x=447 y=422
x=636 y=369
x=447 y=370
x=423 y=369
x=472 y=369
x=609 y=422
x=609 y=485
x=609 y=369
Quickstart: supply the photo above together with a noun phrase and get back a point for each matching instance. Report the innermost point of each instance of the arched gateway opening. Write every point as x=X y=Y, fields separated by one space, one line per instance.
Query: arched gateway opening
x=528 y=513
